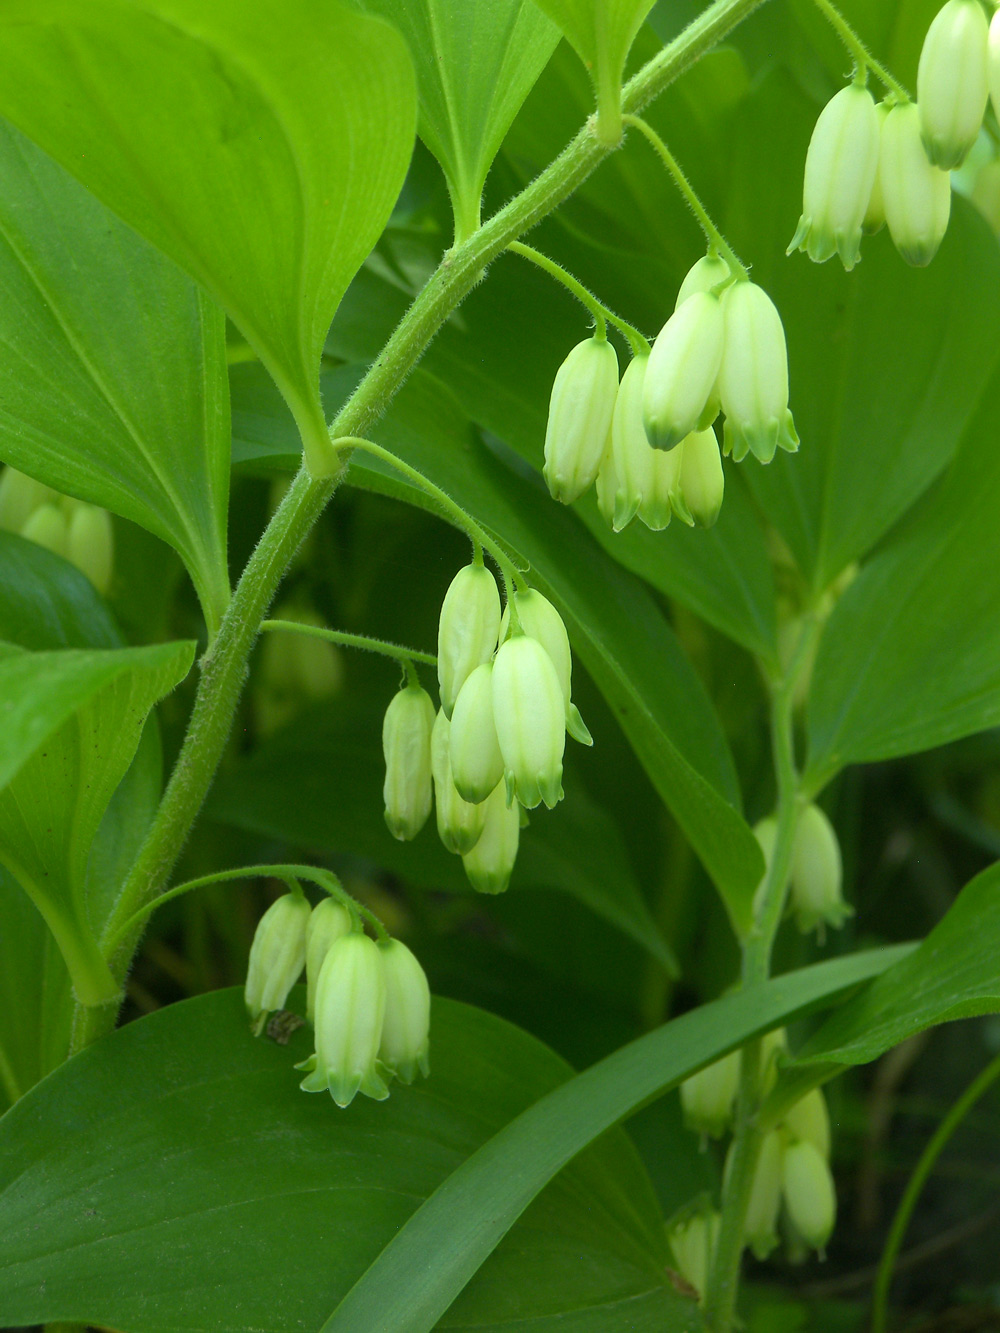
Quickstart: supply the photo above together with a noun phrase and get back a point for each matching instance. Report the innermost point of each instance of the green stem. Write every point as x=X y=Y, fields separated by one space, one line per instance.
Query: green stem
x=224 y=667
x=712 y=233
x=593 y=303
x=465 y=521
x=862 y=57
x=362 y=641
x=748 y=1134
x=944 y=1131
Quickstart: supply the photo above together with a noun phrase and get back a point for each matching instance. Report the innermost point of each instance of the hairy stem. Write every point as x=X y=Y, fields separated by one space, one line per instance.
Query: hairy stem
x=224 y=668
x=860 y=54
x=383 y=647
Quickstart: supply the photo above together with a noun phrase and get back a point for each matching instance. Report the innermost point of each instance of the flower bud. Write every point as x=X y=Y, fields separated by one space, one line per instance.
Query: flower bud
x=708 y=274
x=707 y=1097
x=753 y=377
x=406 y=1028
x=810 y=1196
x=698 y=492
x=874 y=219
x=90 y=544
x=459 y=822
x=490 y=863
x=476 y=761
x=809 y=1121
x=541 y=621
x=841 y=165
x=530 y=717
x=277 y=956
x=328 y=921
x=467 y=629
x=406 y=744
x=607 y=485
x=46 y=526
x=916 y=195
x=953 y=81
x=350 y=1010
x=682 y=371
x=656 y=506
x=761 y=1229
x=692 y=1241
x=817 y=873
x=20 y=496
x=583 y=398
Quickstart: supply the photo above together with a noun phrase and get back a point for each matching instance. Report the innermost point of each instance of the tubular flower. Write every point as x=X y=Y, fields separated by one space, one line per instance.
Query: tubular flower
x=540 y=620
x=350 y=1011
x=708 y=274
x=953 y=81
x=277 y=956
x=692 y=1240
x=467 y=629
x=765 y=1197
x=476 y=761
x=490 y=863
x=406 y=1026
x=90 y=544
x=459 y=822
x=607 y=485
x=809 y=1120
x=328 y=921
x=583 y=398
x=874 y=219
x=915 y=194
x=707 y=1097
x=700 y=485
x=530 y=717
x=817 y=873
x=406 y=744
x=632 y=454
x=753 y=377
x=810 y=1196
x=681 y=375
x=841 y=166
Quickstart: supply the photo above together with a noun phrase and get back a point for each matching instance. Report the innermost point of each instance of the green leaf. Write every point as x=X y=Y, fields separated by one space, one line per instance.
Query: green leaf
x=910 y=658
x=620 y=634
x=955 y=973
x=318 y=784
x=601 y=32
x=886 y=367
x=261 y=146
x=46 y=603
x=72 y=722
x=112 y=367
x=186 y=1183
x=475 y=65
x=419 y=1274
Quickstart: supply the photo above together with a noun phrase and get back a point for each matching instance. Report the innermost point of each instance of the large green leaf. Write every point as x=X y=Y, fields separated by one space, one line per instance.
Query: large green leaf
x=318 y=784
x=45 y=603
x=475 y=65
x=911 y=656
x=187 y=1183
x=886 y=366
x=619 y=632
x=261 y=146
x=73 y=721
x=112 y=367
x=420 y=1273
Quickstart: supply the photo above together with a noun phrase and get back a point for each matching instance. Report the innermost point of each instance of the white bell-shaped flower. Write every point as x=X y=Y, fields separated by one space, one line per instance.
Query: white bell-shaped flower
x=809 y=1191
x=406 y=745
x=707 y=1098
x=953 y=81
x=491 y=862
x=540 y=619
x=841 y=166
x=467 y=629
x=459 y=822
x=350 y=1011
x=753 y=376
x=530 y=718
x=817 y=873
x=915 y=194
x=583 y=398
x=328 y=921
x=697 y=495
x=681 y=376
x=277 y=956
x=406 y=1026
x=761 y=1228
x=708 y=274
x=476 y=761
x=809 y=1119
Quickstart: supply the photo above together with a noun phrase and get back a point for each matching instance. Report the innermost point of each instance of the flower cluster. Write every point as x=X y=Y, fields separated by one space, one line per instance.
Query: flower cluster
x=891 y=164
x=495 y=747
x=368 y=1001
x=792 y=1189
x=648 y=442
x=81 y=533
